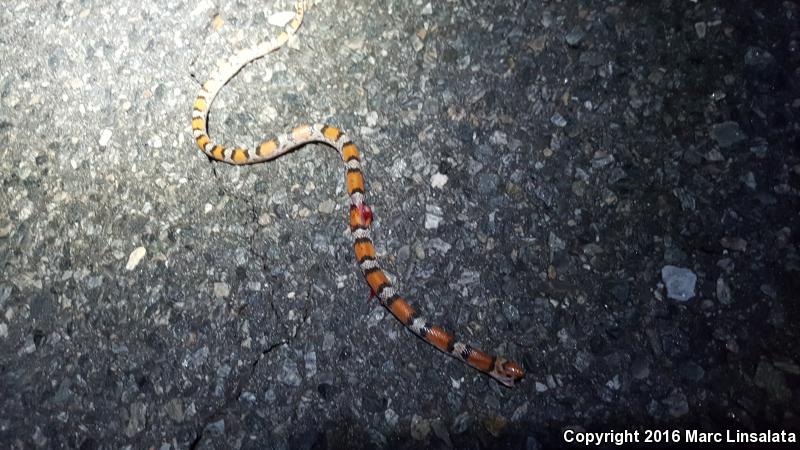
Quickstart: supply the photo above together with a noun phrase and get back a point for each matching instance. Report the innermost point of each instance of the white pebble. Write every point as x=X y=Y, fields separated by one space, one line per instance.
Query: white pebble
x=498 y=138
x=280 y=19
x=156 y=142
x=105 y=137
x=680 y=282
x=438 y=180
x=221 y=290
x=433 y=217
x=391 y=417
x=700 y=29
x=372 y=118
x=133 y=259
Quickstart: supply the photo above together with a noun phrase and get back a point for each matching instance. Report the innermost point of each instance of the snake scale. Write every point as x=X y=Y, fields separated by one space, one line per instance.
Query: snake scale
x=503 y=370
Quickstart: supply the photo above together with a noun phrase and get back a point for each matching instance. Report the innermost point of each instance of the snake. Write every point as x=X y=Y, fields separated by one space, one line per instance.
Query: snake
x=505 y=371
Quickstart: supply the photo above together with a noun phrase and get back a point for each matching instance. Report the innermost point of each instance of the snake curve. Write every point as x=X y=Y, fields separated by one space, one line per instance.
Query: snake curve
x=503 y=370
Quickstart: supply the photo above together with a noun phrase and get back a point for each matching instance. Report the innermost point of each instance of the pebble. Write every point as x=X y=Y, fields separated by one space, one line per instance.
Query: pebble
x=727 y=134
x=700 y=28
x=438 y=180
x=156 y=142
x=757 y=57
x=420 y=427
x=289 y=374
x=498 y=138
x=547 y=19
x=602 y=159
x=310 y=360
x=137 y=419
x=677 y=404
x=105 y=137
x=759 y=147
x=327 y=206
x=575 y=36
x=39 y=439
x=94 y=282
x=582 y=359
x=487 y=183
x=357 y=43
x=614 y=384
x=438 y=245
x=511 y=312
x=416 y=43
x=174 y=410
x=372 y=118
x=196 y=358
x=419 y=250
x=216 y=428
x=135 y=257
x=328 y=340
x=723 y=291
x=433 y=217
x=29 y=345
x=555 y=243
x=391 y=417
x=469 y=277
x=461 y=423
x=558 y=120
x=680 y=282
x=788 y=366
x=473 y=167
x=538 y=44
x=118 y=348
x=749 y=180
x=221 y=290
x=714 y=155
x=280 y=19
x=5 y=228
x=578 y=188
x=397 y=168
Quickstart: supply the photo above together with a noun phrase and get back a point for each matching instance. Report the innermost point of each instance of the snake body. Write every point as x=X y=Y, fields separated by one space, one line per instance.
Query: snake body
x=503 y=370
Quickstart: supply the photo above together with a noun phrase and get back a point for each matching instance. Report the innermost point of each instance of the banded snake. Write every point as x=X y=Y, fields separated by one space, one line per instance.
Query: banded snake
x=503 y=370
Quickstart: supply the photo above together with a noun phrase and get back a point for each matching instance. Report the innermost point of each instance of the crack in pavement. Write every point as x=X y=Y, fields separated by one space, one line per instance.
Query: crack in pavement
x=241 y=383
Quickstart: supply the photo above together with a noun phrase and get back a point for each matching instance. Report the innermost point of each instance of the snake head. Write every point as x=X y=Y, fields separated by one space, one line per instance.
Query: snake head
x=507 y=372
